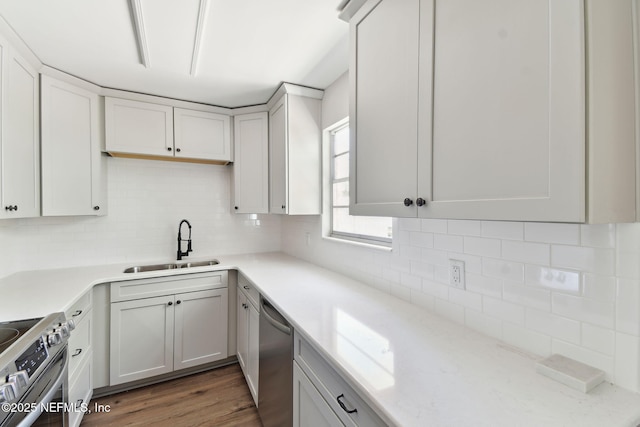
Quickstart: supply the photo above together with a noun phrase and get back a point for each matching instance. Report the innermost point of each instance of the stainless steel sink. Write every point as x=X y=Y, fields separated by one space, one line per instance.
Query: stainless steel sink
x=157 y=267
x=199 y=264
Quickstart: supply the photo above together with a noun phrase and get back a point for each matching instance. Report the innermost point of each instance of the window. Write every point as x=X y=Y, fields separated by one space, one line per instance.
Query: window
x=367 y=229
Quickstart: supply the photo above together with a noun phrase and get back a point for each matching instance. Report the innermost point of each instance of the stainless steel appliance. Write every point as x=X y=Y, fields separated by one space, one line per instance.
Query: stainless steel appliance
x=33 y=372
x=275 y=375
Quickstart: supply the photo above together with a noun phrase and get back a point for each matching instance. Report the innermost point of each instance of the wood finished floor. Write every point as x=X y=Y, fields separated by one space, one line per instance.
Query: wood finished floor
x=214 y=398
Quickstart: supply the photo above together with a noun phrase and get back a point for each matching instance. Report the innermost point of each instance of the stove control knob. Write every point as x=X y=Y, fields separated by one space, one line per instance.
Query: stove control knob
x=19 y=380
x=7 y=394
x=71 y=324
x=63 y=330
x=54 y=338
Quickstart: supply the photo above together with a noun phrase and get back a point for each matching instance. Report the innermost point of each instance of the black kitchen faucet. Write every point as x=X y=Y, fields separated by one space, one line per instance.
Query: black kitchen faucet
x=180 y=253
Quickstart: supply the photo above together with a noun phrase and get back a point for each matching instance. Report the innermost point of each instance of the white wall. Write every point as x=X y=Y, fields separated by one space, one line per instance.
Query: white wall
x=546 y=288
x=147 y=200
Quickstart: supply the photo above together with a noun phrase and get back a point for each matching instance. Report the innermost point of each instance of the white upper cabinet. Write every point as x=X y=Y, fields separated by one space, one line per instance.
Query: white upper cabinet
x=251 y=163
x=202 y=135
x=142 y=129
x=138 y=127
x=483 y=112
x=384 y=108
x=295 y=151
x=71 y=136
x=19 y=137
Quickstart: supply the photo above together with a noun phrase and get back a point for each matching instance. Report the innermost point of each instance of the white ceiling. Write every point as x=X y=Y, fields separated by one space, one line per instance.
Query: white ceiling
x=246 y=49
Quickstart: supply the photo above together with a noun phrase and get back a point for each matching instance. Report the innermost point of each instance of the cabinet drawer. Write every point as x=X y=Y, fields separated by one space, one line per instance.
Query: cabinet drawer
x=249 y=290
x=79 y=308
x=333 y=388
x=80 y=342
x=80 y=392
x=159 y=286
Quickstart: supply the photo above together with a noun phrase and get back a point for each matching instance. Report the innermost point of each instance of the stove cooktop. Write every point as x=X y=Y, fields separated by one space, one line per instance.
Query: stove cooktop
x=11 y=331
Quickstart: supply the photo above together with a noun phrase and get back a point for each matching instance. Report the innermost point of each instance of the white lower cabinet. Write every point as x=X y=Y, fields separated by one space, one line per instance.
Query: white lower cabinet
x=248 y=323
x=80 y=358
x=309 y=408
x=322 y=397
x=160 y=334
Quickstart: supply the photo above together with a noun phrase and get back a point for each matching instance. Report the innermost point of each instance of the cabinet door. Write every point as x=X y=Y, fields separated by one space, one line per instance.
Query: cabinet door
x=200 y=328
x=384 y=108
x=138 y=127
x=253 y=340
x=242 y=330
x=251 y=163
x=141 y=339
x=202 y=135
x=502 y=110
x=309 y=407
x=278 y=156
x=70 y=135
x=20 y=141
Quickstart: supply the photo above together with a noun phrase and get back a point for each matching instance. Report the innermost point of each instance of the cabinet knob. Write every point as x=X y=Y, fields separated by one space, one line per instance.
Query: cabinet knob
x=408 y=202
x=178 y=302
x=421 y=201
x=96 y=208
x=178 y=150
x=169 y=148
x=11 y=208
x=283 y=206
x=246 y=287
x=235 y=207
x=170 y=303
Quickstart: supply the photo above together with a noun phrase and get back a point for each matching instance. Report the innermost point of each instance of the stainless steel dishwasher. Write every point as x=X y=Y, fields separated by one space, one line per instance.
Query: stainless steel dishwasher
x=275 y=375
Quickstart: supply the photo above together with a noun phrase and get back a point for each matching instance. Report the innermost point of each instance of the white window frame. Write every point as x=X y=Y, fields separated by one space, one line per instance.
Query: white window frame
x=328 y=172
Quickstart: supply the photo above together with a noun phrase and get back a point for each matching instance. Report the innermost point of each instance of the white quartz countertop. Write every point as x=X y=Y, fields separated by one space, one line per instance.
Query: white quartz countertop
x=413 y=367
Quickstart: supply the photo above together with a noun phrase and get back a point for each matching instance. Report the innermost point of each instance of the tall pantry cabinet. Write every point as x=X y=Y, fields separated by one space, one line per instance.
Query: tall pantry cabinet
x=483 y=109
x=19 y=135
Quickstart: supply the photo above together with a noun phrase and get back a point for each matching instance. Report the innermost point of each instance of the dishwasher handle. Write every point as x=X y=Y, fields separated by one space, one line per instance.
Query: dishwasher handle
x=285 y=329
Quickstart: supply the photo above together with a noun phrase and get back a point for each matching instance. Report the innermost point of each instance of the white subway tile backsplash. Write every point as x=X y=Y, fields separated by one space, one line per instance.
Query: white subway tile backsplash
x=598 y=235
x=503 y=230
x=602 y=288
x=534 y=253
x=448 y=243
x=526 y=339
x=598 y=339
x=465 y=228
x=434 y=225
x=435 y=289
x=584 y=309
x=411 y=281
x=465 y=299
x=501 y=269
x=526 y=296
x=552 y=325
x=568 y=234
x=627 y=355
x=423 y=240
x=627 y=303
x=422 y=269
x=484 y=285
x=503 y=310
x=435 y=256
x=592 y=260
x=482 y=246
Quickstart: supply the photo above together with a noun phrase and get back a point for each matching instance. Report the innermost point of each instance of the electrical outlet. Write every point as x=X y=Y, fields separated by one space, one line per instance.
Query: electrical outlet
x=456 y=273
